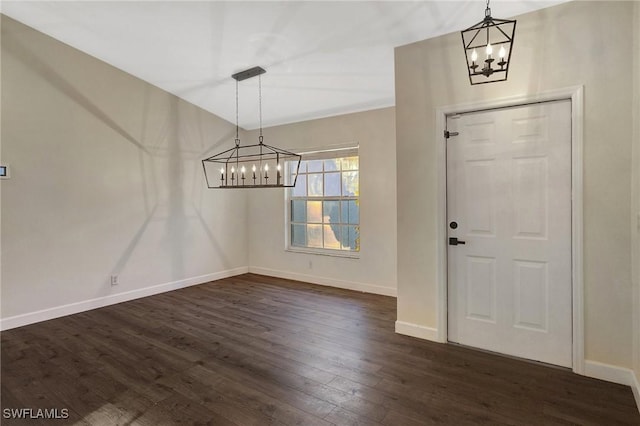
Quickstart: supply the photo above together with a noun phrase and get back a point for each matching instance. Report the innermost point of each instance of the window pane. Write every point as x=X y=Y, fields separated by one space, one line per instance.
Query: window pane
x=351 y=212
x=354 y=236
x=331 y=212
x=315 y=166
x=351 y=238
x=354 y=212
x=314 y=236
x=303 y=167
x=298 y=211
x=300 y=190
x=315 y=185
x=332 y=165
x=350 y=163
x=350 y=184
x=314 y=211
x=332 y=184
x=345 y=212
x=332 y=237
x=298 y=235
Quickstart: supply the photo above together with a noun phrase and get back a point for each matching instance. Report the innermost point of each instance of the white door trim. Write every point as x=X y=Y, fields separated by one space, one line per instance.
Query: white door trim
x=575 y=94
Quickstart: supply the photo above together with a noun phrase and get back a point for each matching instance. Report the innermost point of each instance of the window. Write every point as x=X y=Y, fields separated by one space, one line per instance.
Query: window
x=323 y=213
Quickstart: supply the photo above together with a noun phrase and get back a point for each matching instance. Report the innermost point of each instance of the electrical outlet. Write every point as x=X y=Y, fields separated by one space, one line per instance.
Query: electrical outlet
x=114 y=280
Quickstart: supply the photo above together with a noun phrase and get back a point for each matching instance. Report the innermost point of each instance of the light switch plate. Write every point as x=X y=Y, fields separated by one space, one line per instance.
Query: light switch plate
x=4 y=171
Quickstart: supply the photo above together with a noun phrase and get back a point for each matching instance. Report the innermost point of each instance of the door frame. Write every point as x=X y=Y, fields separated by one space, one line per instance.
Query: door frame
x=575 y=95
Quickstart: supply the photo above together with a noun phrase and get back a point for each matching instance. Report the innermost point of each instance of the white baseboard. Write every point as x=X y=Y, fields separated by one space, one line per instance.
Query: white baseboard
x=610 y=373
x=635 y=387
x=419 y=331
x=87 y=305
x=314 y=279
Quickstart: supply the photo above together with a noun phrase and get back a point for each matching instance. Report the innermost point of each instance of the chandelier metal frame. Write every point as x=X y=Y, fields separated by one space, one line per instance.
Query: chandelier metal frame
x=487 y=35
x=248 y=166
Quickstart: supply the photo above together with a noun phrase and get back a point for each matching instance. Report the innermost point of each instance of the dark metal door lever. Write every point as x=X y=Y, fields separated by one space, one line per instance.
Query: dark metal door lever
x=453 y=241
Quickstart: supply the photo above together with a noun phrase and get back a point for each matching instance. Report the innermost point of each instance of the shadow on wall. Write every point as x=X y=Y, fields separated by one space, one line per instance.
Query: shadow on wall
x=173 y=137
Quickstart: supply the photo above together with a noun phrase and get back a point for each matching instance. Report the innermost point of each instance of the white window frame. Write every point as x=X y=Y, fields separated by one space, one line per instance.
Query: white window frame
x=350 y=150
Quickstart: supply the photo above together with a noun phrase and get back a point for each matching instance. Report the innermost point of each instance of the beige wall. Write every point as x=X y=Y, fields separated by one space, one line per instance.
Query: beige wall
x=375 y=270
x=106 y=180
x=635 y=210
x=571 y=44
x=2 y=162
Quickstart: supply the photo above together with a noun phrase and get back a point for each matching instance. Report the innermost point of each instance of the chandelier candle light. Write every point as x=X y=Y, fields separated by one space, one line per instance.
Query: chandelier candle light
x=483 y=37
x=260 y=157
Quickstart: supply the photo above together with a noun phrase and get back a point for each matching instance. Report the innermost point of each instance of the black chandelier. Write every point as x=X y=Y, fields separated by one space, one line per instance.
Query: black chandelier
x=486 y=37
x=252 y=166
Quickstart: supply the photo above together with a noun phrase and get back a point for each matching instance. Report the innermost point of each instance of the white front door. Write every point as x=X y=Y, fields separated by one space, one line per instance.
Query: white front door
x=509 y=205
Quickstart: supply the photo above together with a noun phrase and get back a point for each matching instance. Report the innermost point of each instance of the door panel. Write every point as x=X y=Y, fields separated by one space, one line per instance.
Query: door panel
x=509 y=190
x=481 y=210
x=530 y=197
x=481 y=288
x=531 y=283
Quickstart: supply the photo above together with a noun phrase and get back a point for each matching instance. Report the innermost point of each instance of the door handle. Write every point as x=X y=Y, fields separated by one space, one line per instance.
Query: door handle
x=453 y=241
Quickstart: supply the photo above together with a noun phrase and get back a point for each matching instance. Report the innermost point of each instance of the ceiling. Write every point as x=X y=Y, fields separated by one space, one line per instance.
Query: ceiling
x=322 y=58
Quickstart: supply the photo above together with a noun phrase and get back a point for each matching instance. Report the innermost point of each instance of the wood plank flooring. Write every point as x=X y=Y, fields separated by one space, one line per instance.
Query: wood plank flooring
x=255 y=350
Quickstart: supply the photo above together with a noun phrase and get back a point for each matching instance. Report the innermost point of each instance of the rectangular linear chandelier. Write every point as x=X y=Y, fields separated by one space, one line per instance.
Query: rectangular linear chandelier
x=251 y=166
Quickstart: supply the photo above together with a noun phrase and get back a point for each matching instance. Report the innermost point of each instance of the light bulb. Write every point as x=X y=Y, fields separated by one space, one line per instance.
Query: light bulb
x=502 y=52
x=242 y=169
x=278 y=166
x=233 y=170
x=474 y=55
x=266 y=167
x=253 y=168
x=222 y=170
x=489 y=49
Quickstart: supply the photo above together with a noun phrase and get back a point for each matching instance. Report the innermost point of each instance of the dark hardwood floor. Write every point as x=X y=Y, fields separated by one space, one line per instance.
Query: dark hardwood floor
x=254 y=350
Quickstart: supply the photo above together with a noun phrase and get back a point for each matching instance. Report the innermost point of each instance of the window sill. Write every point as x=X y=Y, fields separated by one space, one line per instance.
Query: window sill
x=324 y=252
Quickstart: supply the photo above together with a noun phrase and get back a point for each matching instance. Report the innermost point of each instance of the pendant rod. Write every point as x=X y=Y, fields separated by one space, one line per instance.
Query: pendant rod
x=260 y=103
x=237 y=127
